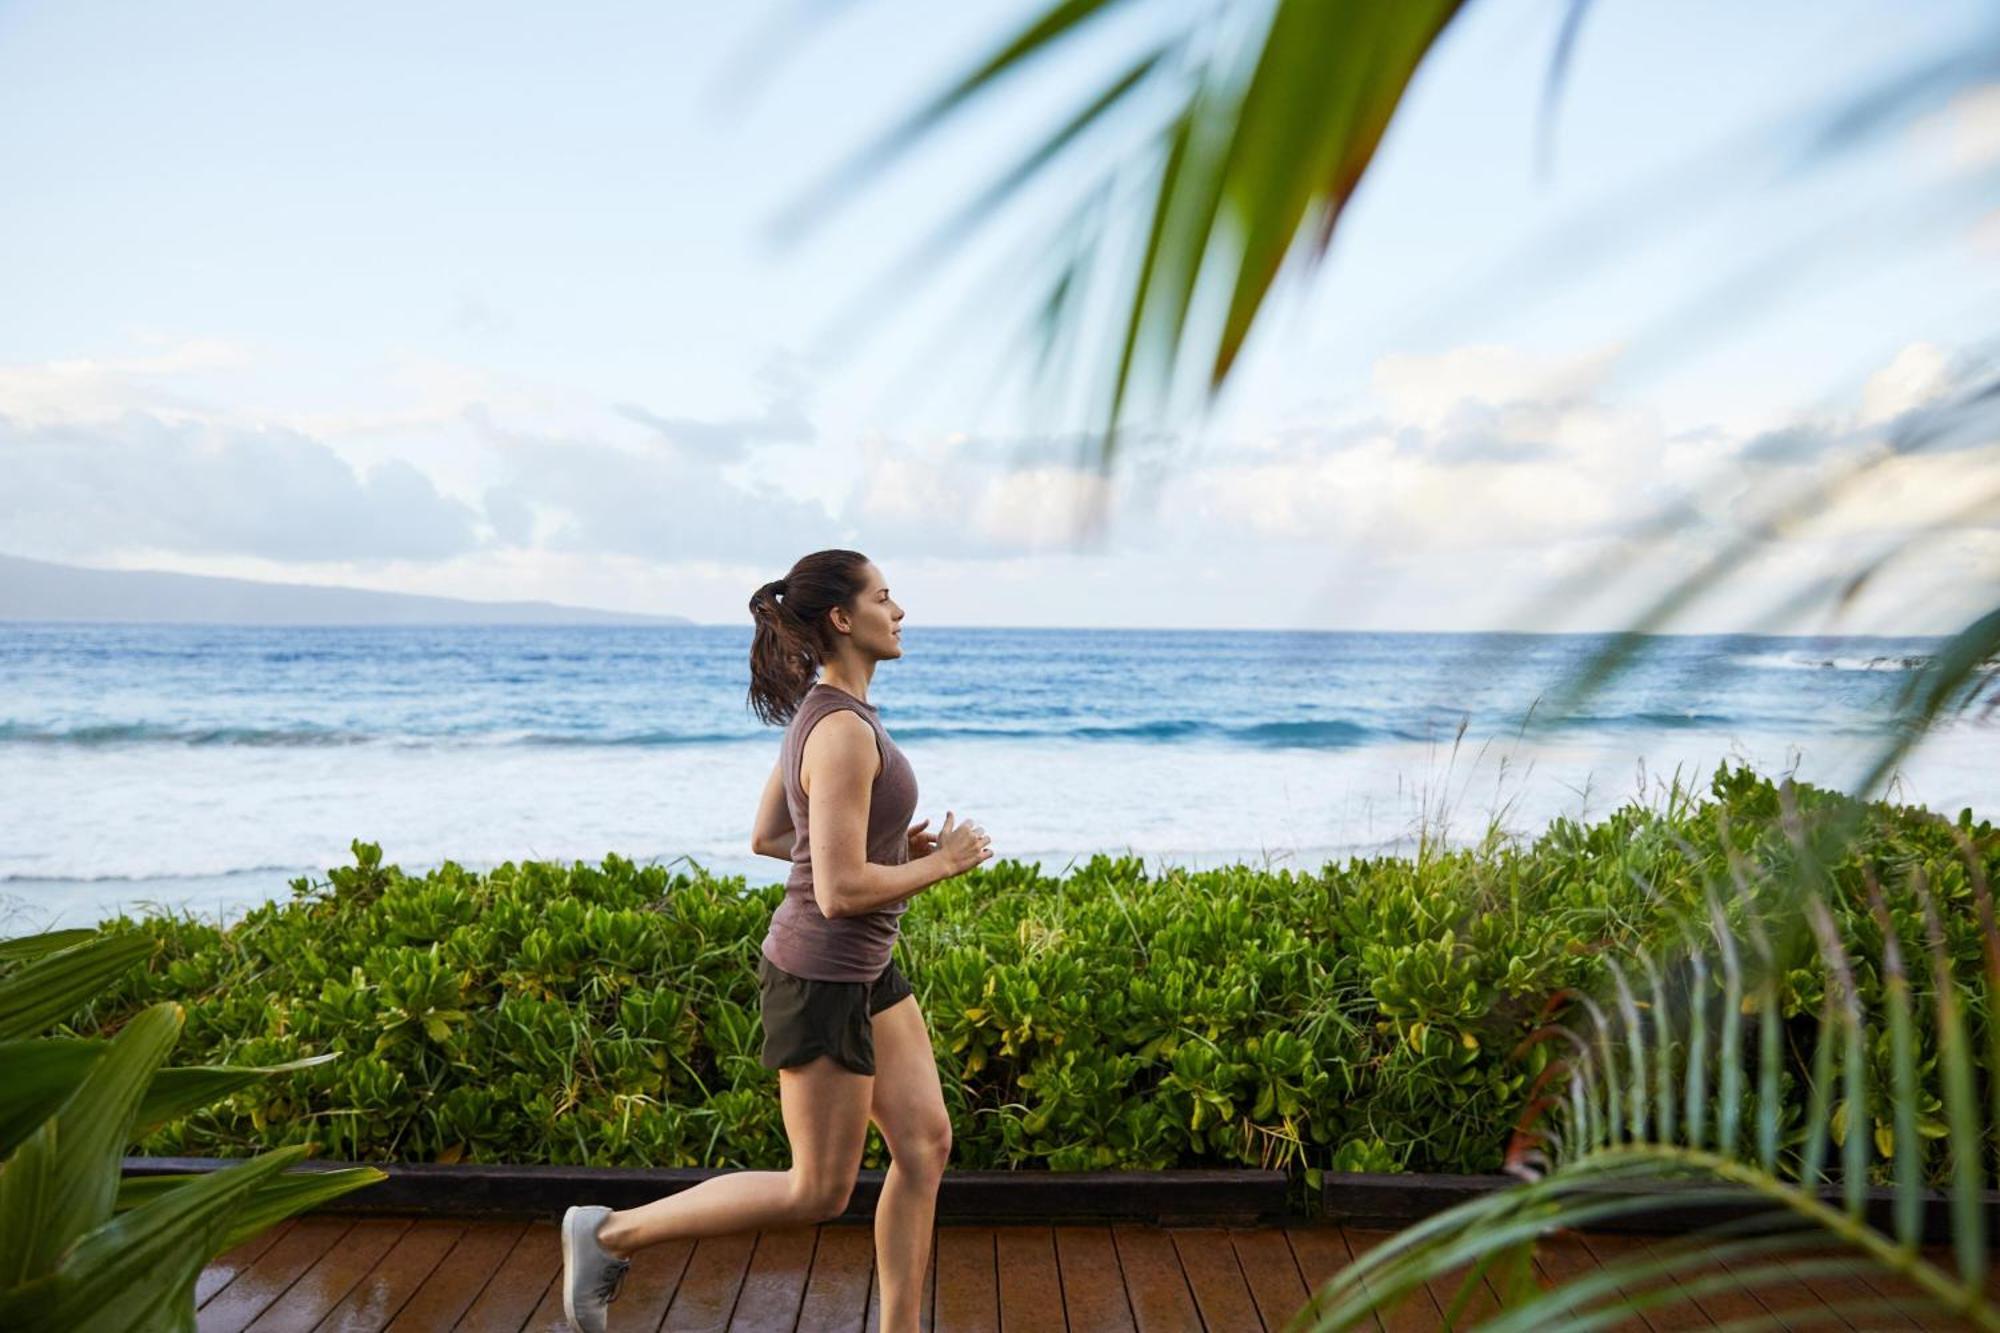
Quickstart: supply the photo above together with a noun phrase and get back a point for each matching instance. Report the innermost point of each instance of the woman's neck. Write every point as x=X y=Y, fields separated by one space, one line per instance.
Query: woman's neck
x=839 y=682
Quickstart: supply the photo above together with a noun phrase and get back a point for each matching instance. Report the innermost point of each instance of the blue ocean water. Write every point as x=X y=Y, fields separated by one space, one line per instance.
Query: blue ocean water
x=201 y=766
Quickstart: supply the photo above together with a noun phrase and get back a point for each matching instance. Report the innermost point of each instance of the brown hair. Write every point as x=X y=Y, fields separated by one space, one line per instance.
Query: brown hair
x=793 y=637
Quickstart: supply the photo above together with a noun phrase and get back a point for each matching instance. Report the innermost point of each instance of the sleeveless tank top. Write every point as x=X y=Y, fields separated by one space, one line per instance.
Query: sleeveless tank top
x=802 y=940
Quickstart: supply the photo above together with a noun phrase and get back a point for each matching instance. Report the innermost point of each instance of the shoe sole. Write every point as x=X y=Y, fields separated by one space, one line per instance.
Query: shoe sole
x=569 y=1267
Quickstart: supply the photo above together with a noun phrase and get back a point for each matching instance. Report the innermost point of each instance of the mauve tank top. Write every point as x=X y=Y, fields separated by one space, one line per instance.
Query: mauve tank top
x=801 y=939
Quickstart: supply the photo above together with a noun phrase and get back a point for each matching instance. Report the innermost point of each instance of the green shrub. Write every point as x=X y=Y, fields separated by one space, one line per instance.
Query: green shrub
x=1362 y=1017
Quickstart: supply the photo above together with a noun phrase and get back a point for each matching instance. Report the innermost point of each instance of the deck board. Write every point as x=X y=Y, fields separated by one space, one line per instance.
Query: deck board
x=1677 y=1312
x=1321 y=1252
x=225 y=1267
x=331 y=1273
x=508 y=1297
x=253 y=1291
x=1272 y=1271
x=1416 y=1312
x=1024 y=1261
x=774 y=1289
x=326 y=1284
x=1221 y=1292
x=968 y=1288
x=1162 y=1299
x=837 y=1289
x=1094 y=1295
x=449 y=1289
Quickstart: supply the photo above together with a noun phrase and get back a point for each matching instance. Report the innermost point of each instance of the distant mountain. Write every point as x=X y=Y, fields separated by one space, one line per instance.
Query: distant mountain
x=39 y=590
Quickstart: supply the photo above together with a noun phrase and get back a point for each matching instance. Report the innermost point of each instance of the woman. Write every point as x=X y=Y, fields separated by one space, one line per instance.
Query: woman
x=841 y=1026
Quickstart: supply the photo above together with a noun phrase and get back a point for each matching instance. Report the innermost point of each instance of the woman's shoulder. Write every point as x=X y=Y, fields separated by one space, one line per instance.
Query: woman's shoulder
x=842 y=724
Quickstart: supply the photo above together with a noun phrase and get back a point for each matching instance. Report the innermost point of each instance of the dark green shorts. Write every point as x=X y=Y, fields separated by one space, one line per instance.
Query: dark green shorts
x=805 y=1019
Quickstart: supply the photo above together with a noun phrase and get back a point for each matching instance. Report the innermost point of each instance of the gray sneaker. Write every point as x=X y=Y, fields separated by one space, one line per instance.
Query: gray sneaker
x=591 y=1274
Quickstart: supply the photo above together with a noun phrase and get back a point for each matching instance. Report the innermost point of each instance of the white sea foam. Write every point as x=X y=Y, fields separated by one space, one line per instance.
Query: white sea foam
x=218 y=830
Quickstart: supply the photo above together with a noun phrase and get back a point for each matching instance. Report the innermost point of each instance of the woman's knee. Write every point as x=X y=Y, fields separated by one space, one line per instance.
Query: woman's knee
x=926 y=1147
x=819 y=1200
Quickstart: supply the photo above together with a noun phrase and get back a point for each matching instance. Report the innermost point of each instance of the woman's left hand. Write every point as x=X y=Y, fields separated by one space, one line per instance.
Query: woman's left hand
x=921 y=843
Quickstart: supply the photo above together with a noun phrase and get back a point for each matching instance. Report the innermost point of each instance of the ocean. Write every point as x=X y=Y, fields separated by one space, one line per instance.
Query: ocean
x=200 y=768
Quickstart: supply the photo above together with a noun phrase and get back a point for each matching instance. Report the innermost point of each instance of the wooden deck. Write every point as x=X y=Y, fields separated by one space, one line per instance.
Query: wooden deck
x=328 y=1272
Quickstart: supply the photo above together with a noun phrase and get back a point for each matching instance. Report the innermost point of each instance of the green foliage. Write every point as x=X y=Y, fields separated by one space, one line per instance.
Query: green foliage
x=80 y=1247
x=1369 y=1016
x=1805 y=1036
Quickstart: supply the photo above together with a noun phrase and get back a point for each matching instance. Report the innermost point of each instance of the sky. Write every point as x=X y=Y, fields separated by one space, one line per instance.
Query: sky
x=488 y=301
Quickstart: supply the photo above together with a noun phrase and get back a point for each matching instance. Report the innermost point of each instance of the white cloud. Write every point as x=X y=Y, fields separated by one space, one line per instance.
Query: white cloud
x=84 y=388
x=1423 y=391
x=1915 y=376
x=783 y=420
x=91 y=488
x=1463 y=483
x=581 y=494
x=1965 y=133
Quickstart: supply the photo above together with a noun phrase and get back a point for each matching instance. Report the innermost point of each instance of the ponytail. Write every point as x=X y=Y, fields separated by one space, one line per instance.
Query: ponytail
x=792 y=639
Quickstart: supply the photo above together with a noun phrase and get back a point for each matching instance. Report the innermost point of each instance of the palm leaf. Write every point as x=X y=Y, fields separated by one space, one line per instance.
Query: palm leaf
x=270 y=1201
x=83 y=1146
x=24 y=947
x=115 y=1277
x=56 y=984
x=1281 y=106
x=176 y=1092
x=1594 y=1156
x=42 y=1073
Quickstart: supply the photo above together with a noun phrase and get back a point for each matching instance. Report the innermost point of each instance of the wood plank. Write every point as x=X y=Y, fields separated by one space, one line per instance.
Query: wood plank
x=1678 y=1313
x=1789 y=1299
x=774 y=1288
x=968 y=1283
x=1681 y=1311
x=1848 y=1287
x=222 y=1270
x=1162 y=1301
x=1564 y=1258
x=837 y=1291
x=1912 y=1302
x=1480 y=1305
x=1416 y=1312
x=1320 y=1250
x=449 y=1291
x=1094 y=1299
x=1721 y=1305
x=1220 y=1291
x=548 y=1316
x=519 y=1284
x=254 y=1290
x=386 y=1288
x=331 y=1277
x=1024 y=1262
x=1265 y=1257
x=708 y=1289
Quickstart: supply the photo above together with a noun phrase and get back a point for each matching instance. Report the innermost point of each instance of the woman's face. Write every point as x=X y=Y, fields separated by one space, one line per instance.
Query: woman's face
x=876 y=619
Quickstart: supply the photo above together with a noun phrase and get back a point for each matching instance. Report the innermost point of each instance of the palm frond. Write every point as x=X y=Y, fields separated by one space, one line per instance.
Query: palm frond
x=1632 y=1134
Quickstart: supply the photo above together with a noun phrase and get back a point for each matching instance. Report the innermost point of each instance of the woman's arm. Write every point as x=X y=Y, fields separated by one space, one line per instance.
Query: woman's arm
x=772 y=834
x=838 y=768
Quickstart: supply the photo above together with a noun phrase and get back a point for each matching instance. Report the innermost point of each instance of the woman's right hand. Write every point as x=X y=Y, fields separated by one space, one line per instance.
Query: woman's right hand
x=962 y=846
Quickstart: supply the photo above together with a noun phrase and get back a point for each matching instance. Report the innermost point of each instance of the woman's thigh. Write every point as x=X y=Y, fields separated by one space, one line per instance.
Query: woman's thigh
x=908 y=1100
x=825 y=1106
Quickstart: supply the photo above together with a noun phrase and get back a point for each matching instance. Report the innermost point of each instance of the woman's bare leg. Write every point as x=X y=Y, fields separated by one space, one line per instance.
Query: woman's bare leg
x=908 y=1107
x=826 y=1118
